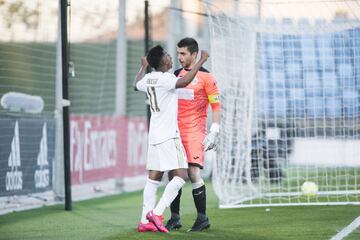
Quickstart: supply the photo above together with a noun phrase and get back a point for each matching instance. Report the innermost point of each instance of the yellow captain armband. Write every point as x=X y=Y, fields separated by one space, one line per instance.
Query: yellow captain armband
x=214 y=99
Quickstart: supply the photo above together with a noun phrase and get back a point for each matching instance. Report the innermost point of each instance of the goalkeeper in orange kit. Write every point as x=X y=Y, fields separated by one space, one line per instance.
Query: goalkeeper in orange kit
x=192 y=114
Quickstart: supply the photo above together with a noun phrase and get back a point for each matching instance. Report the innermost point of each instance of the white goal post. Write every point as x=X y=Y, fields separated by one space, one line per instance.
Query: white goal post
x=290 y=94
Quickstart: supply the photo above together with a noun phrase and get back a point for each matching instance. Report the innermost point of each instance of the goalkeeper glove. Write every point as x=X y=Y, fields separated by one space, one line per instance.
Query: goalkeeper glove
x=212 y=139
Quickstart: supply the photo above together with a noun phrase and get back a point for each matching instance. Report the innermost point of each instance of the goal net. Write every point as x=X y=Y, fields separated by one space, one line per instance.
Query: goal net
x=289 y=74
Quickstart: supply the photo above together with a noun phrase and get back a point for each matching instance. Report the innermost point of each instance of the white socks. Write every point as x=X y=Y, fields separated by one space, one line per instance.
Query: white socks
x=170 y=193
x=149 y=198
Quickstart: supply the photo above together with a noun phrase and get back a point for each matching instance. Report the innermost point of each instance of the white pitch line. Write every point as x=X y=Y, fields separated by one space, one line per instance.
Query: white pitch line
x=347 y=230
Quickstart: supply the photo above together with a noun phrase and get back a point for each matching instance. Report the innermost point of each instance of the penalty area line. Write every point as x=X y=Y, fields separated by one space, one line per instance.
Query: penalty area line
x=347 y=230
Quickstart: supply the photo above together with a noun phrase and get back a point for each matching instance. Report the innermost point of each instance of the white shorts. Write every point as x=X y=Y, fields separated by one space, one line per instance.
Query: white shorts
x=166 y=156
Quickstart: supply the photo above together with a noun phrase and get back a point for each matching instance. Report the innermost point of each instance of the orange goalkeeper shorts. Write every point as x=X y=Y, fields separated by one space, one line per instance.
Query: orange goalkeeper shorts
x=194 y=147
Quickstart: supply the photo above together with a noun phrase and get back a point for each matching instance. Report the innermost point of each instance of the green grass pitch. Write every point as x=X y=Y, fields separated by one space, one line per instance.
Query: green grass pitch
x=116 y=217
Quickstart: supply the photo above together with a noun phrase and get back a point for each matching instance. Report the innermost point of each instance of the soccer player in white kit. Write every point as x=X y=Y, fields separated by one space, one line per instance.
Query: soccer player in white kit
x=165 y=150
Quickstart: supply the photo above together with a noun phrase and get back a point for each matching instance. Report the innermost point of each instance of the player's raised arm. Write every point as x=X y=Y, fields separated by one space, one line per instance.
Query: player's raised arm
x=141 y=73
x=185 y=80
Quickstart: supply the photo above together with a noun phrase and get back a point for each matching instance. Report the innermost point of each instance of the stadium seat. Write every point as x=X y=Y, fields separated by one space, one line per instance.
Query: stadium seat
x=297 y=101
x=262 y=79
x=293 y=62
x=325 y=52
x=304 y=21
x=308 y=53
x=312 y=83
x=294 y=75
x=320 y=21
x=346 y=75
x=270 y=21
x=350 y=102
x=315 y=107
x=276 y=79
x=280 y=103
x=343 y=53
x=330 y=84
x=264 y=103
x=333 y=107
x=287 y=20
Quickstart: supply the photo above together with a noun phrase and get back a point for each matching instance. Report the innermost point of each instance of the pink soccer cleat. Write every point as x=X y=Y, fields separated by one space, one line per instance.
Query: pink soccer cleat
x=147 y=227
x=157 y=221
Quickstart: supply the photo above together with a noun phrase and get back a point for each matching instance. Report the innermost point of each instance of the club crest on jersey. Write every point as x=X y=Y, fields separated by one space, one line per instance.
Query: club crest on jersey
x=194 y=81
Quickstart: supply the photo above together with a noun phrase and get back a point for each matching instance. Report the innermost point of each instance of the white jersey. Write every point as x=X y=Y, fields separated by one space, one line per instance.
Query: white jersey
x=160 y=89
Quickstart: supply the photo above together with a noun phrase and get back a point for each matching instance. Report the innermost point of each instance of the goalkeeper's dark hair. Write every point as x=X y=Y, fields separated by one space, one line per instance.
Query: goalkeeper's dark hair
x=155 y=56
x=190 y=43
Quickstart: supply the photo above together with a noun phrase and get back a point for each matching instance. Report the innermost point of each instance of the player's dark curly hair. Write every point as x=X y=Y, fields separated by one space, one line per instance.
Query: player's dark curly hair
x=189 y=43
x=155 y=56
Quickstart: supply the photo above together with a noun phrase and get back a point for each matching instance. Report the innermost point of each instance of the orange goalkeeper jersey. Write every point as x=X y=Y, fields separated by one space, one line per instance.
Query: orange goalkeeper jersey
x=194 y=101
